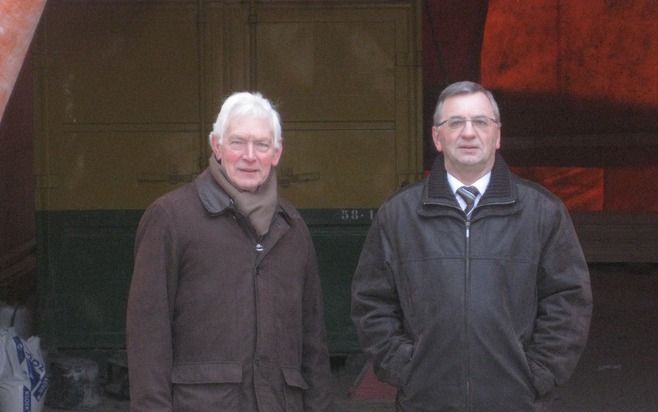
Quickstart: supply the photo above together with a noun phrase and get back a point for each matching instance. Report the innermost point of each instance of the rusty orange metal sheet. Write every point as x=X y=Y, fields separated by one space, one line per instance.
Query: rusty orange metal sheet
x=18 y=21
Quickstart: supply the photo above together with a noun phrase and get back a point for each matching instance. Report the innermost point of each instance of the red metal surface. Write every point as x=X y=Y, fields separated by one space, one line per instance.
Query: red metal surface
x=563 y=70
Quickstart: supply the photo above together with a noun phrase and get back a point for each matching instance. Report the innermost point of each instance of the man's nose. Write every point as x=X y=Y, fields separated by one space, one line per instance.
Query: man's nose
x=468 y=130
x=250 y=153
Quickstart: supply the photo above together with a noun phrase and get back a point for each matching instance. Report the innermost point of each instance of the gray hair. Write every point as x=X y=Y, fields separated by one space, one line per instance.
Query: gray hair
x=464 y=88
x=250 y=105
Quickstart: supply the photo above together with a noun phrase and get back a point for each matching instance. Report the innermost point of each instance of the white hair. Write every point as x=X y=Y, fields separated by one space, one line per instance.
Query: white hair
x=250 y=105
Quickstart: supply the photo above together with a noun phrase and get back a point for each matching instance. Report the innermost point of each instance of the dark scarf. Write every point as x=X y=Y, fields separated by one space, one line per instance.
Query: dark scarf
x=258 y=206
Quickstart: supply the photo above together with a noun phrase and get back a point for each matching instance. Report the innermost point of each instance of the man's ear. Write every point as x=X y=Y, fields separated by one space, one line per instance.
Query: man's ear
x=216 y=147
x=435 y=138
x=277 y=154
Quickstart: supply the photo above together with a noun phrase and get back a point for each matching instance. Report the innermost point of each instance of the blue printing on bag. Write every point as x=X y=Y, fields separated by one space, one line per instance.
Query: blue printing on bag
x=35 y=369
x=27 y=400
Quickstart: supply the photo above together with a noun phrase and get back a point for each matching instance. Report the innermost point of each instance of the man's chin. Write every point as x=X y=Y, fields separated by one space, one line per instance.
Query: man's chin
x=247 y=185
x=472 y=154
x=470 y=160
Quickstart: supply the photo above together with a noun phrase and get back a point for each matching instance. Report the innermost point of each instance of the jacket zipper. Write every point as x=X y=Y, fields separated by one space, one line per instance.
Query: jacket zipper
x=467 y=292
x=258 y=360
x=467 y=301
x=258 y=247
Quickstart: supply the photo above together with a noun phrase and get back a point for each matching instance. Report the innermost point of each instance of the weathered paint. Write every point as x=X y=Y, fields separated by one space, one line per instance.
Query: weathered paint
x=580 y=77
x=588 y=49
x=18 y=21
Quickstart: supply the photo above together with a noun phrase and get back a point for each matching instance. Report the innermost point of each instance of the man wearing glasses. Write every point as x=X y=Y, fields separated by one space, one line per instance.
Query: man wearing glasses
x=225 y=309
x=472 y=292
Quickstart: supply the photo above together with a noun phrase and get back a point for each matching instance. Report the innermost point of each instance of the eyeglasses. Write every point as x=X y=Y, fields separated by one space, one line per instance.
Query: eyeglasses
x=242 y=145
x=482 y=123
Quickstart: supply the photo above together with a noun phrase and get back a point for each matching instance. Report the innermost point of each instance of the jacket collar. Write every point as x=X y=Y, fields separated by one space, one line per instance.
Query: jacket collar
x=216 y=201
x=500 y=189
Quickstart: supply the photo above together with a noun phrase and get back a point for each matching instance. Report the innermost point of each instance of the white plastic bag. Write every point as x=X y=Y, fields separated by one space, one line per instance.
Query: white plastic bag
x=23 y=380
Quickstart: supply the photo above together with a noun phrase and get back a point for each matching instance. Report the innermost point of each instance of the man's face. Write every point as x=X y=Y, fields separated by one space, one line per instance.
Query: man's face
x=247 y=151
x=468 y=151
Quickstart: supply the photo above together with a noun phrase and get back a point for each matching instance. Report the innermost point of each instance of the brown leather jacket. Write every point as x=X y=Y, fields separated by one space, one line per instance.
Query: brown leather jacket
x=219 y=320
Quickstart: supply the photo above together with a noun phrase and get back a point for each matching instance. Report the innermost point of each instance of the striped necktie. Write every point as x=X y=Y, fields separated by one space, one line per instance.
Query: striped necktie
x=469 y=194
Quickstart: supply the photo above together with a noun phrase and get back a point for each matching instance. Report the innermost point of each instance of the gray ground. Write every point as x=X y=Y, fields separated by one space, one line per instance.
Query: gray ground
x=617 y=373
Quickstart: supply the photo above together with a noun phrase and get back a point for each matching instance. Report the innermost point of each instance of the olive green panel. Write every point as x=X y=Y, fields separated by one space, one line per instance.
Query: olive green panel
x=335 y=168
x=334 y=64
x=120 y=62
x=227 y=61
x=119 y=103
x=346 y=83
x=122 y=83
x=112 y=169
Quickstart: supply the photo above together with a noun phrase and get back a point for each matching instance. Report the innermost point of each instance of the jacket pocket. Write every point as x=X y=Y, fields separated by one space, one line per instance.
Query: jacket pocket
x=395 y=368
x=294 y=390
x=198 y=386
x=542 y=379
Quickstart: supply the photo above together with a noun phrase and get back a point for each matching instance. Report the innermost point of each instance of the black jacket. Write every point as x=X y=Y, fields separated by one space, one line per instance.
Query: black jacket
x=486 y=322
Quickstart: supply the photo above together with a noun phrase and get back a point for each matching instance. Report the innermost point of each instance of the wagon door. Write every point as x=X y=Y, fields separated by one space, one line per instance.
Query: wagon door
x=128 y=92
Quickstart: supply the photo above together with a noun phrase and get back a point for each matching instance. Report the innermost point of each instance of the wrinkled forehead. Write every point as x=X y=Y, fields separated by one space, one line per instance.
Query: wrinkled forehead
x=467 y=105
x=250 y=125
x=254 y=125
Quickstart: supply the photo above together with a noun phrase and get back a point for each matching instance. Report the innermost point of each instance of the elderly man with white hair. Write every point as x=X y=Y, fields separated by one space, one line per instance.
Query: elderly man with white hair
x=225 y=308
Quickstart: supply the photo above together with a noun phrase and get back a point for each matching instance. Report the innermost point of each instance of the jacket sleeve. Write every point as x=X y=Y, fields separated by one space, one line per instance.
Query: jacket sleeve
x=315 y=357
x=376 y=310
x=564 y=305
x=149 y=340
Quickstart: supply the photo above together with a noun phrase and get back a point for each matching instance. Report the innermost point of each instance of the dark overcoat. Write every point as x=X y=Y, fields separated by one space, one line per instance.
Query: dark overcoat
x=480 y=314
x=219 y=319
